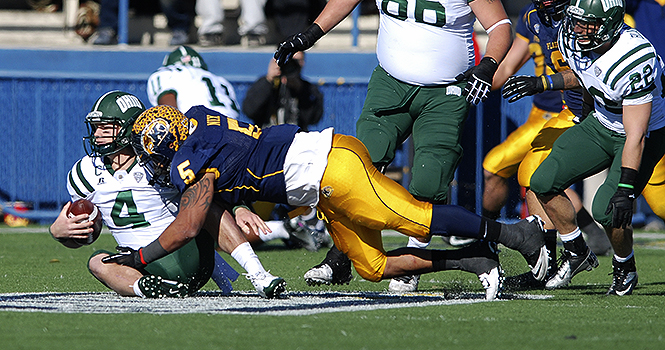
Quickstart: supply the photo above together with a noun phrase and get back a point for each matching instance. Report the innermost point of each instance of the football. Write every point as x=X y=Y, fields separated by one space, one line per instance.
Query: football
x=84 y=206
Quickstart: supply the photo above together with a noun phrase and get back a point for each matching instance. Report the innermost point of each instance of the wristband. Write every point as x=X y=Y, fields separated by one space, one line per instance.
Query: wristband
x=628 y=178
x=315 y=31
x=553 y=82
x=152 y=252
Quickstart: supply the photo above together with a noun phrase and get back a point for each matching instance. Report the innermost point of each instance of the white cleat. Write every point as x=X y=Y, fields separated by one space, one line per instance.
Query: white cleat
x=404 y=284
x=267 y=285
x=492 y=282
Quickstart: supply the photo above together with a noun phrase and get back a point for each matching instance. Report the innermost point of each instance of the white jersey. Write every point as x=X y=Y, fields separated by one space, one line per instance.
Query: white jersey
x=630 y=73
x=135 y=212
x=425 y=42
x=192 y=87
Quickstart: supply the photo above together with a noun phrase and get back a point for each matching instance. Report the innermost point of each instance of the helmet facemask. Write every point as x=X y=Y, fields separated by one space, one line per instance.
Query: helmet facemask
x=113 y=108
x=595 y=26
x=550 y=10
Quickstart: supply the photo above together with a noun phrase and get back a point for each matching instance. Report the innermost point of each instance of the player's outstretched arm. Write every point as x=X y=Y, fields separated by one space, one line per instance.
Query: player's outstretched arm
x=333 y=13
x=194 y=206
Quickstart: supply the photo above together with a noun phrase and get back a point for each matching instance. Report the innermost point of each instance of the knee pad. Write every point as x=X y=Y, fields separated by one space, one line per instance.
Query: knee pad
x=431 y=176
x=379 y=140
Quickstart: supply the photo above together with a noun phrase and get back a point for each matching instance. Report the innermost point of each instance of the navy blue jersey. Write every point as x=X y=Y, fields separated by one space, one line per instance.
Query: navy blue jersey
x=548 y=37
x=547 y=100
x=248 y=162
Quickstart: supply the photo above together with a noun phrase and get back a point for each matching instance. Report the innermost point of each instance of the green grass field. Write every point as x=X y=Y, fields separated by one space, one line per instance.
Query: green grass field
x=577 y=317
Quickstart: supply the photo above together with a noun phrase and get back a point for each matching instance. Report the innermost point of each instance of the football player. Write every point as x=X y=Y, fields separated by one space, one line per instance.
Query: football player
x=423 y=87
x=137 y=212
x=184 y=81
x=526 y=147
x=209 y=156
x=623 y=73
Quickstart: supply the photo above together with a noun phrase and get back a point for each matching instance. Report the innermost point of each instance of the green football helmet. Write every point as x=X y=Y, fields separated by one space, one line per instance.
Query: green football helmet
x=114 y=107
x=602 y=19
x=185 y=55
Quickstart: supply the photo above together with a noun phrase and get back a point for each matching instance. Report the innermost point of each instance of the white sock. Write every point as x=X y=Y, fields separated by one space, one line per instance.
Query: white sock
x=245 y=256
x=137 y=290
x=622 y=260
x=570 y=236
x=415 y=243
x=278 y=231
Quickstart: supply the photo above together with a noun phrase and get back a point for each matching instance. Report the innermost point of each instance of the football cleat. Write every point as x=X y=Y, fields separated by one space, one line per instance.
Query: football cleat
x=485 y=264
x=492 y=282
x=528 y=237
x=334 y=269
x=404 y=284
x=623 y=281
x=267 y=285
x=154 y=287
x=300 y=234
x=569 y=266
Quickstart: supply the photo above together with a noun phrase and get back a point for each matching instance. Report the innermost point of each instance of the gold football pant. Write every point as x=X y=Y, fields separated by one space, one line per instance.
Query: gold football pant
x=654 y=192
x=358 y=202
x=541 y=146
x=504 y=159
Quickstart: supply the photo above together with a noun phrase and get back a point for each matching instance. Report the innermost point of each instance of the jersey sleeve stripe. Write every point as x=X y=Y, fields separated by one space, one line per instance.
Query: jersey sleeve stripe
x=623 y=58
x=641 y=93
x=76 y=188
x=630 y=67
x=81 y=177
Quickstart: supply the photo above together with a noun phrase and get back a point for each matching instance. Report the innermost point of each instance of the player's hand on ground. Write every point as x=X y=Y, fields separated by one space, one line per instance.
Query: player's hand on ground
x=65 y=227
x=479 y=80
x=249 y=222
x=125 y=256
x=297 y=42
x=517 y=87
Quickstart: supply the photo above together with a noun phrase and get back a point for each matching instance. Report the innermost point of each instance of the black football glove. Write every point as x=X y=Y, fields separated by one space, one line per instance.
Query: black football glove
x=125 y=256
x=621 y=204
x=621 y=207
x=298 y=42
x=521 y=86
x=479 y=80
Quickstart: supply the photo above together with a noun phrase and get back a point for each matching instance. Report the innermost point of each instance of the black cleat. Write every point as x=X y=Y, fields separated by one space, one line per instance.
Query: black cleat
x=623 y=279
x=528 y=237
x=570 y=265
x=334 y=269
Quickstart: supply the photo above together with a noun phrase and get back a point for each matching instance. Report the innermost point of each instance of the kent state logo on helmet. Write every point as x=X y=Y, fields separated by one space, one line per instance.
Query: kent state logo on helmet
x=157 y=135
x=162 y=129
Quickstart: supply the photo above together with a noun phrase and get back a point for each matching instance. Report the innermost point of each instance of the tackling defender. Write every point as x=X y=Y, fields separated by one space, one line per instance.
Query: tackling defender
x=423 y=87
x=136 y=213
x=206 y=155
